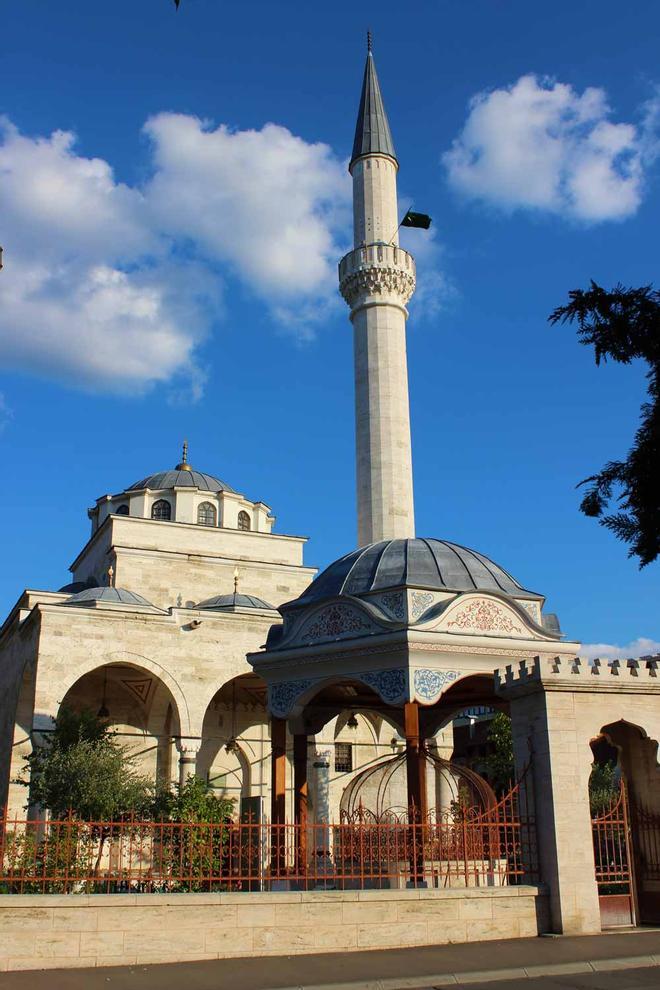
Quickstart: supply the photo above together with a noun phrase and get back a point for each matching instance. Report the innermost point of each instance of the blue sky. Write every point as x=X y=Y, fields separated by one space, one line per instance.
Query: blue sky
x=167 y=278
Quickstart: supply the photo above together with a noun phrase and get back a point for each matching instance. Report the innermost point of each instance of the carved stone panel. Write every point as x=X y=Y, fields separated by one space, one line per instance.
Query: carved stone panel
x=337 y=621
x=391 y=685
x=283 y=696
x=429 y=684
x=484 y=616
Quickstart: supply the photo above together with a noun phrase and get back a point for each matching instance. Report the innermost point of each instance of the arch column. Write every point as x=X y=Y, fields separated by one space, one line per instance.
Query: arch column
x=188 y=749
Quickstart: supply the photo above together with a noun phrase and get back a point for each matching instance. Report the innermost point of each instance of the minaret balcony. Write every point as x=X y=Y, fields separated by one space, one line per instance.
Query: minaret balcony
x=384 y=272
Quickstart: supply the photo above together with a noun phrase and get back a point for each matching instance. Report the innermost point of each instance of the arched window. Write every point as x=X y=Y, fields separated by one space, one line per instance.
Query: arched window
x=122 y=510
x=161 y=509
x=206 y=514
x=244 y=520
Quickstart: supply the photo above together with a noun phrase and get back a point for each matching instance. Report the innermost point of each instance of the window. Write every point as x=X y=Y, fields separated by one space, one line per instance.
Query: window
x=161 y=509
x=343 y=757
x=244 y=520
x=206 y=514
x=122 y=510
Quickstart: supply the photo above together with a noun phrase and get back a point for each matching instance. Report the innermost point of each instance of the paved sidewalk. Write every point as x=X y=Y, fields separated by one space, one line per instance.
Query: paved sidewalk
x=392 y=969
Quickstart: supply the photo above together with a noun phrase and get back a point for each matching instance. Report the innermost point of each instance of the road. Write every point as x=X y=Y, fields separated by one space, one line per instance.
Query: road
x=632 y=979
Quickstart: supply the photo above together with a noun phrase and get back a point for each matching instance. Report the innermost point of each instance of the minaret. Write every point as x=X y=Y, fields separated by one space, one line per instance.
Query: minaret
x=377 y=279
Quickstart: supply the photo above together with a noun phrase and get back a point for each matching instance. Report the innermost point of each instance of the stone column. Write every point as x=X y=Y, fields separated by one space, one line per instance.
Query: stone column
x=446 y=785
x=547 y=732
x=188 y=749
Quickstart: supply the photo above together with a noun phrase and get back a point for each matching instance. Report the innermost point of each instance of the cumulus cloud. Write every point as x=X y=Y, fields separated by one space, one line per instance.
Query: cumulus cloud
x=114 y=286
x=539 y=144
x=611 y=651
x=265 y=201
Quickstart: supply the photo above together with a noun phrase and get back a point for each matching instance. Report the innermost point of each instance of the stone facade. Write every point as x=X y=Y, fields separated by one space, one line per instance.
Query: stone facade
x=54 y=932
x=558 y=707
x=159 y=658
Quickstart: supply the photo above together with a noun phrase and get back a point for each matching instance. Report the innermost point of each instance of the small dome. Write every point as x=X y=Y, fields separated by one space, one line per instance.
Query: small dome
x=434 y=564
x=223 y=603
x=181 y=477
x=118 y=596
x=76 y=586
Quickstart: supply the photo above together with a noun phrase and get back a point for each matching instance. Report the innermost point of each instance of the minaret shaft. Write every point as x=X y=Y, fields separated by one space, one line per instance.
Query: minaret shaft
x=382 y=422
x=377 y=279
x=375 y=207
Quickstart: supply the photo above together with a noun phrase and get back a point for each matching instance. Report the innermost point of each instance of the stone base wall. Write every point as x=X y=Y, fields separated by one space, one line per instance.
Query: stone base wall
x=52 y=931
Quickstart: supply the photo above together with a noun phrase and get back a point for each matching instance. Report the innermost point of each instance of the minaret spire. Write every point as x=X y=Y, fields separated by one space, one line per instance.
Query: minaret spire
x=377 y=279
x=372 y=130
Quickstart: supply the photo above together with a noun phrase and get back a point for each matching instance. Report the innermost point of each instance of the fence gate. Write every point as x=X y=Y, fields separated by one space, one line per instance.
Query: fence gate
x=614 y=864
x=646 y=831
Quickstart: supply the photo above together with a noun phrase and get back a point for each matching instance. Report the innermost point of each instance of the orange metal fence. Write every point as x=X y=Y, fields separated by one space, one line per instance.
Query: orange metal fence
x=468 y=848
x=613 y=861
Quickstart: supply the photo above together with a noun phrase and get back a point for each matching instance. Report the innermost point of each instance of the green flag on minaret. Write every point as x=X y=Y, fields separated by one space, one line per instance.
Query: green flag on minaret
x=421 y=220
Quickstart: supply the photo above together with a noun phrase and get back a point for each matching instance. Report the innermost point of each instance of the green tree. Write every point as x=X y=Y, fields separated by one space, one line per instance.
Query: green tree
x=624 y=325
x=603 y=787
x=196 y=851
x=499 y=763
x=82 y=770
x=82 y=776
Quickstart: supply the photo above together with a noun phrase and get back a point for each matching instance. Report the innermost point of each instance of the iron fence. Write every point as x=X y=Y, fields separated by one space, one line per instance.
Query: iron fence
x=613 y=862
x=464 y=849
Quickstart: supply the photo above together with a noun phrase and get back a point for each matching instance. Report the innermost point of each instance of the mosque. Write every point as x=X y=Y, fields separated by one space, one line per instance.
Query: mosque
x=182 y=578
x=212 y=648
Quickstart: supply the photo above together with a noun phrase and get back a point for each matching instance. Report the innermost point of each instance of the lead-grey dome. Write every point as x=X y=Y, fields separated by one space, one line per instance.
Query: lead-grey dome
x=184 y=478
x=224 y=602
x=118 y=596
x=419 y=563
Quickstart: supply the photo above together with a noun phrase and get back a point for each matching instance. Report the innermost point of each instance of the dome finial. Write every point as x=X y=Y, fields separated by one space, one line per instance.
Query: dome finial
x=184 y=466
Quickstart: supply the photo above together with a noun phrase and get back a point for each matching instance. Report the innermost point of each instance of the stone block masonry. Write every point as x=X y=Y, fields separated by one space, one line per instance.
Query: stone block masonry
x=55 y=931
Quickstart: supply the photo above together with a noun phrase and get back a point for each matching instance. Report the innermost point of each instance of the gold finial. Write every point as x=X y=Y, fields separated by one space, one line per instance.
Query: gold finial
x=111 y=576
x=236 y=575
x=184 y=466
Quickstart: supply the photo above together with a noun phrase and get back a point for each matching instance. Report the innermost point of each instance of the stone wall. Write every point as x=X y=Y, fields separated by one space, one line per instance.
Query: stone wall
x=53 y=931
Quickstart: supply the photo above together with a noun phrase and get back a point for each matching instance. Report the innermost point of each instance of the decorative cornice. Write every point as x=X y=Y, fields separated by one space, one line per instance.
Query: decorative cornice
x=377 y=281
x=571 y=673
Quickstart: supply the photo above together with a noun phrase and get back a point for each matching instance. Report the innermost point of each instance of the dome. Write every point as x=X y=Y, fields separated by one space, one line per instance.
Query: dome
x=225 y=602
x=118 y=596
x=419 y=563
x=76 y=586
x=181 y=477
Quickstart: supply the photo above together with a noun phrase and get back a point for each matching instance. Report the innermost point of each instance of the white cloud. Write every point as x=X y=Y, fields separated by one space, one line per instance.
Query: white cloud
x=539 y=144
x=112 y=286
x=611 y=651
x=264 y=201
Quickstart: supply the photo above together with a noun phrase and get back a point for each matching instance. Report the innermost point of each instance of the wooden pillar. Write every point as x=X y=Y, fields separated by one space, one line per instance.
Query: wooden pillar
x=278 y=796
x=417 y=799
x=415 y=763
x=300 y=801
x=300 y=778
